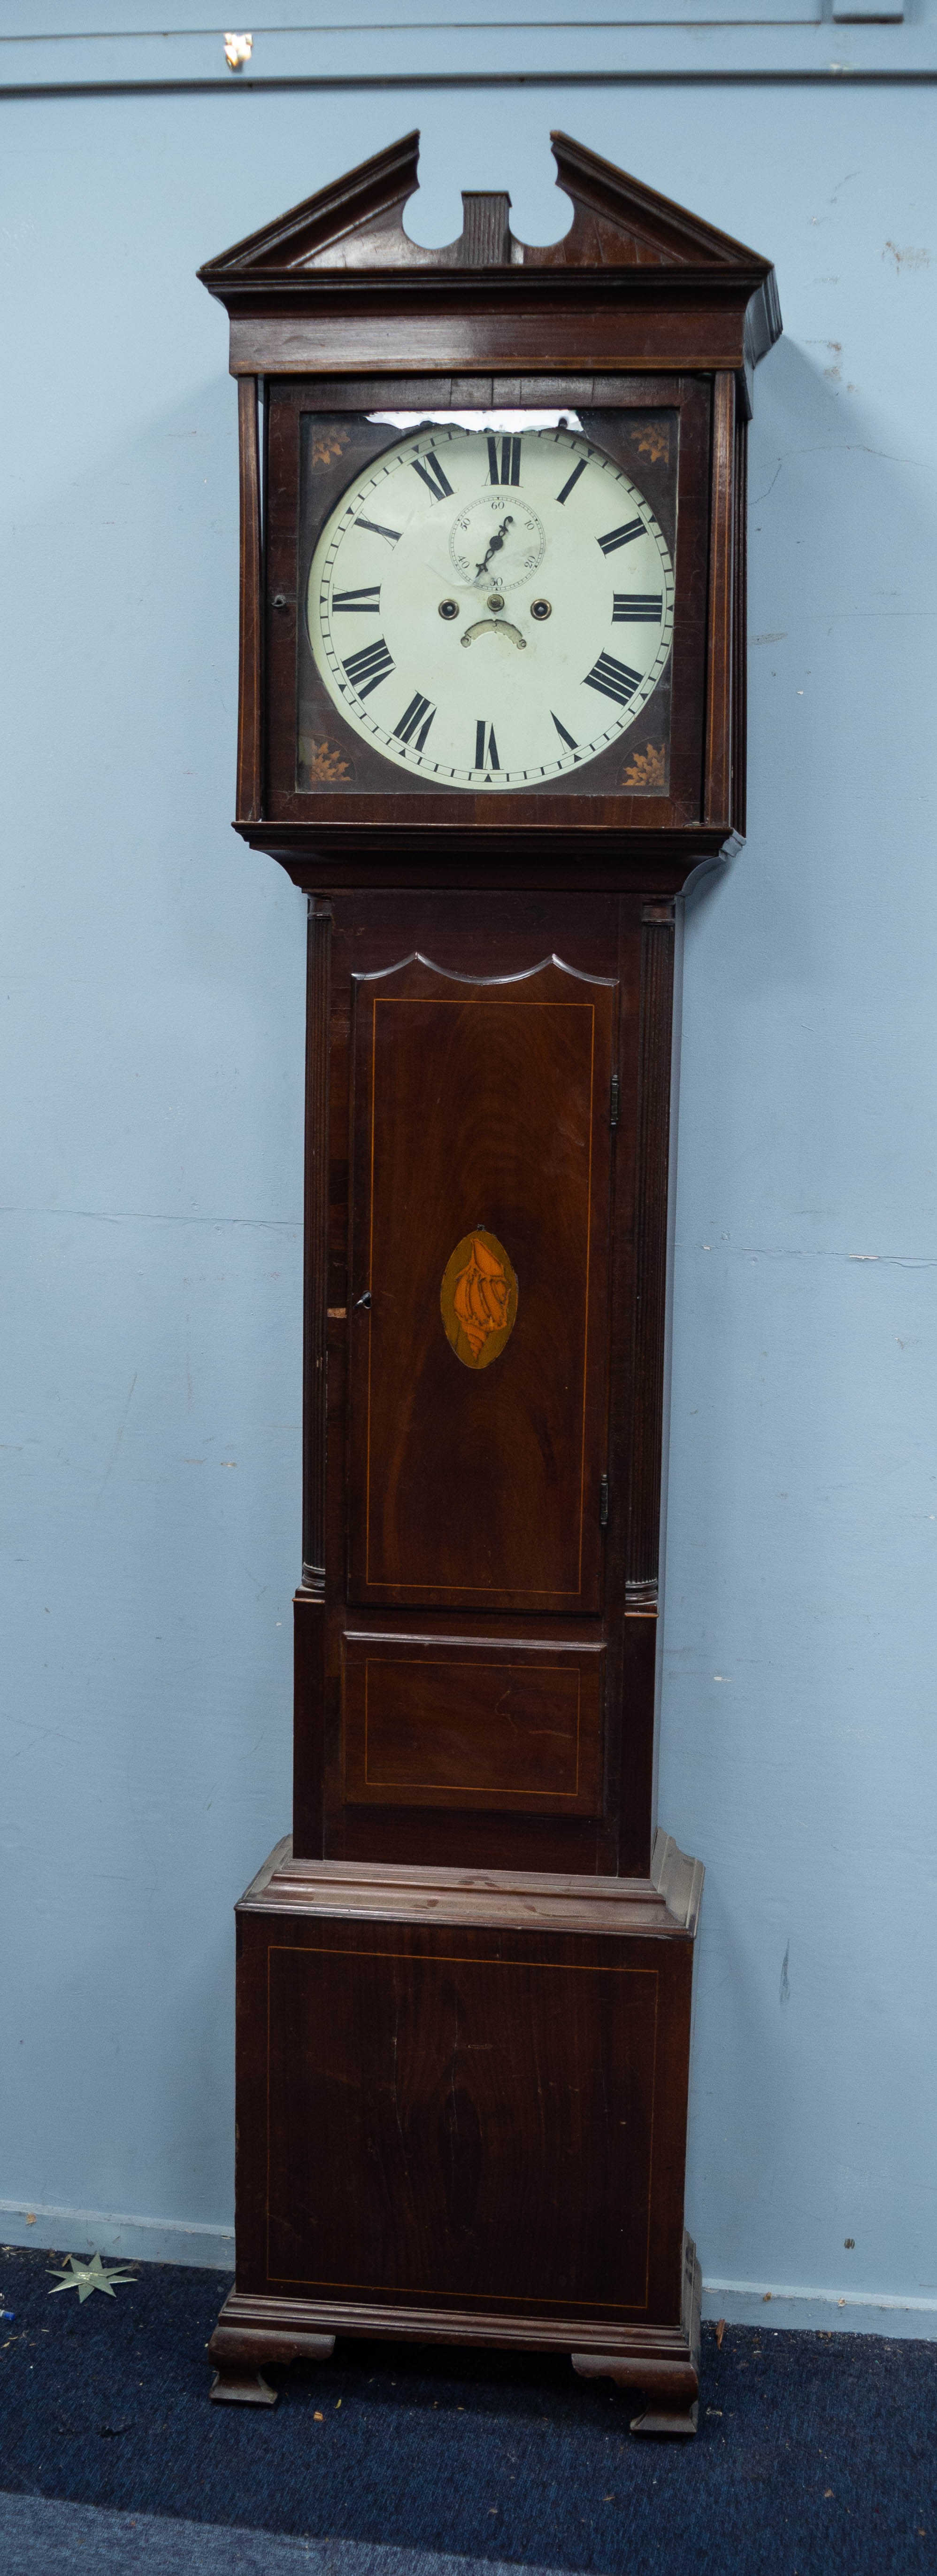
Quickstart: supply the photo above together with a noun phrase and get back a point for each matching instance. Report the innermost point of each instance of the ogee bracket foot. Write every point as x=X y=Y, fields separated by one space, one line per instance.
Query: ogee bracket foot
x=241 y=2352
x=670 y=2388
x=237 y=2384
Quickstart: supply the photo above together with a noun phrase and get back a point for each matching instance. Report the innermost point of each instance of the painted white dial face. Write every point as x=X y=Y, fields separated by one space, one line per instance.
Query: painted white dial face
x=491 y=611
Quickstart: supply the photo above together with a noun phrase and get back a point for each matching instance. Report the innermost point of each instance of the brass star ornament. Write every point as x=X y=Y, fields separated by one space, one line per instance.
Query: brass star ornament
x=85 y=2277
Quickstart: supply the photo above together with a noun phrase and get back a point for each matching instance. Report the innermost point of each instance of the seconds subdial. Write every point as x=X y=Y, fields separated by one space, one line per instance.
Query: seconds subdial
x=494 y=541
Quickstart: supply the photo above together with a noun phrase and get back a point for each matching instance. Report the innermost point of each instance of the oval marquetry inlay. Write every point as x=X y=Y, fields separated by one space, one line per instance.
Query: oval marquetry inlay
x=478 y=1299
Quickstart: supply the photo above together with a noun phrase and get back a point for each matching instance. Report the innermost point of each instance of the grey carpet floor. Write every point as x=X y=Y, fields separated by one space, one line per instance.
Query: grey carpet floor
x=40 y=2537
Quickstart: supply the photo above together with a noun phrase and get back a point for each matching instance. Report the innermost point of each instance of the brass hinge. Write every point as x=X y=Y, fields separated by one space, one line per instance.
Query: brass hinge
x=616 y=1095
x=603 y=1503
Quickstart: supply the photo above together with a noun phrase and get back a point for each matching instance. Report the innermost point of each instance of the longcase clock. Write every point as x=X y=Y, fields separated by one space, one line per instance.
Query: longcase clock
x=491 y=719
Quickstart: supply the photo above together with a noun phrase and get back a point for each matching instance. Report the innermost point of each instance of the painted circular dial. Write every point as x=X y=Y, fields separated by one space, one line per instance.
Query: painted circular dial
x=491 y=611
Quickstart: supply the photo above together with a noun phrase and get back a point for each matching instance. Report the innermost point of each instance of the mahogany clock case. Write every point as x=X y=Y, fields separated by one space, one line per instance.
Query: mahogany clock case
x=464 y=1992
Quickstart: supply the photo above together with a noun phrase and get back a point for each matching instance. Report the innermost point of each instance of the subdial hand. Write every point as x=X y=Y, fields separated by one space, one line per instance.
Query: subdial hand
x=494 y=548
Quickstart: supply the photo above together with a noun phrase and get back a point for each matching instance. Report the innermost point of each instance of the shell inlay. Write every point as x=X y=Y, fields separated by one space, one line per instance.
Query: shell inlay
x=478 y=1299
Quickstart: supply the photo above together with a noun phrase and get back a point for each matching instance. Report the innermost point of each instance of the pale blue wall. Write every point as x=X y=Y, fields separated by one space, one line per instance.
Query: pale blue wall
x=153 y=990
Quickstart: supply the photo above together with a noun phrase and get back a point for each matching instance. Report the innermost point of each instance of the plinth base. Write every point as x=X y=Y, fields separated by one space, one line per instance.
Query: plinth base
x=462 y=2119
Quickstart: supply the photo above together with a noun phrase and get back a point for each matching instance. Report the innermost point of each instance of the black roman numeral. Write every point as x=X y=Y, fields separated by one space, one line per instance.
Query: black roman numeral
x=568 y=738
x=623 y=536
x=368 y=667
x=614 y=679
x=481 y=761
x=510 y=466
x=375 y=529
x=574 y=478
x=358 y=599
x=632 y=607
x=419 y=712
x=431 y=473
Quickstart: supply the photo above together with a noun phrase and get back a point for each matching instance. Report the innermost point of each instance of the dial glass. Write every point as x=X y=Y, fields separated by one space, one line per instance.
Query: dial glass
x=491 y=608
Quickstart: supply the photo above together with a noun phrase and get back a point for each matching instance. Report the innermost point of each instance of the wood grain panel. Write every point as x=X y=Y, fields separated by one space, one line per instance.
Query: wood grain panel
x=451 y=2118
x=672 y=334
x=485 y=1107
x=309 y=1691
x=250 y=702
x=740 y=622
x=475 y=1723
x=653 y=1148
x=719 y=799
x=318 y=951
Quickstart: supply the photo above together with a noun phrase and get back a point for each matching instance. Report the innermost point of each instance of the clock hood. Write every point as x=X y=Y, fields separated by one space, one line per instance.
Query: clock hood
x=345 y=252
